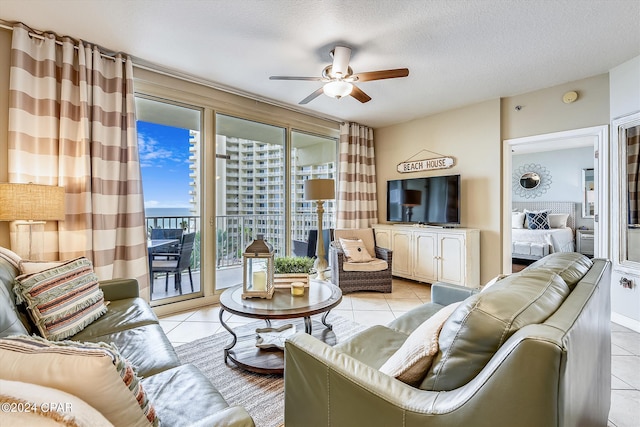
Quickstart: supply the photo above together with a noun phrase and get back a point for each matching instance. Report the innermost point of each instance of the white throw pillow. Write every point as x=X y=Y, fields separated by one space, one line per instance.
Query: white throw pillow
x=46 y=405
x=96 y=373
x=558 y=220
x=355 y=251
x=493 y=281
x=517 y=220
x=412 y=360
x=12 y=257
x=30 y=267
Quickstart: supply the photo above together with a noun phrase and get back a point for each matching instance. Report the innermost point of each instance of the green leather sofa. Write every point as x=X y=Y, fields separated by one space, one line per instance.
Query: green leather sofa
x=181 y=394
x=551 y=365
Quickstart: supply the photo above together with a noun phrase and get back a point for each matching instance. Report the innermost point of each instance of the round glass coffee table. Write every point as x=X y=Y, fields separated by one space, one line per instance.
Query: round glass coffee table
x=246 y=349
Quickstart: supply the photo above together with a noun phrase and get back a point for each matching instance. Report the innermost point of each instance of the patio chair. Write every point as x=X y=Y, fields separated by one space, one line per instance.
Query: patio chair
x=167 y=233
x=327 y=238
x=175 y=263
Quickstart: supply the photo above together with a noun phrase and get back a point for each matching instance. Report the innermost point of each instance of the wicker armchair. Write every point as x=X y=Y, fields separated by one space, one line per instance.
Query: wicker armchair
x=364 y=279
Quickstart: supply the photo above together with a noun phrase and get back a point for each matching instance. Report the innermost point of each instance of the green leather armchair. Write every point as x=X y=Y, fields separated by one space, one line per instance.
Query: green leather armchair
x=553 y=373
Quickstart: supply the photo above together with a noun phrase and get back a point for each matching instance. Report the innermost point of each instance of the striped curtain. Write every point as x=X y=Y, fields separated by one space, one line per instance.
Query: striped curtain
x=357 y=194
x=72 y=123
x=633 y=174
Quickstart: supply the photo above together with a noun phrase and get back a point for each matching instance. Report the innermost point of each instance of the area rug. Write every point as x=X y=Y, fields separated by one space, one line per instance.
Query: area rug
x=261 y=395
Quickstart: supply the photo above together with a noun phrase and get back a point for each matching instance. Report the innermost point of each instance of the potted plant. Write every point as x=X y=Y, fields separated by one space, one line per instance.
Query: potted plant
x=289 y=269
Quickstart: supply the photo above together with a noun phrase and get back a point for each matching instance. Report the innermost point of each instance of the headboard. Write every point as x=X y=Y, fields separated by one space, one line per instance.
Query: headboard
x=553 y=207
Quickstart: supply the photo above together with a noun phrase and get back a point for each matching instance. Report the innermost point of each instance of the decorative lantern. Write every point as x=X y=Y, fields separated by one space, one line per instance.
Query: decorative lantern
x=258 y=270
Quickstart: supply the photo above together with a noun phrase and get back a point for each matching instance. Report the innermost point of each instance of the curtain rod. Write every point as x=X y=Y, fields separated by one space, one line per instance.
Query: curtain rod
x=59 y=43
x=148 y=66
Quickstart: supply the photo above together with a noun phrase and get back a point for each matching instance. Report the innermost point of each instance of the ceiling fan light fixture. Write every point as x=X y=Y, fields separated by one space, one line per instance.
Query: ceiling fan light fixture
x=337 y=89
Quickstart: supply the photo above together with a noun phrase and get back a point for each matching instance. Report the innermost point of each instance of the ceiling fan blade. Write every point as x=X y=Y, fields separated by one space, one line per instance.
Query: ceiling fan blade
x=382 y=74
x=311 y=97
x=312 y=79
x=358 y=94
x=340 y=64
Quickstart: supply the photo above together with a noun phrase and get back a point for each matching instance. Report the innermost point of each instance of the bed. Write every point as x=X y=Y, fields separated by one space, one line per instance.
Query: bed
x=533 y=244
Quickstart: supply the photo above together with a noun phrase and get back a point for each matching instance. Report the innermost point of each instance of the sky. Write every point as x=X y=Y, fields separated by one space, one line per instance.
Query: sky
x=164 y=159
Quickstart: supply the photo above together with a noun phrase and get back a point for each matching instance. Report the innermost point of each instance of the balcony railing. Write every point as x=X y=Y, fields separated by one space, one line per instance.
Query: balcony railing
x=235 y=232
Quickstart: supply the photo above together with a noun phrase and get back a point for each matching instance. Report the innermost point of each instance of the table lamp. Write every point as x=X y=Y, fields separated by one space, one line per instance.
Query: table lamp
x=320 y=190
x=30 y=205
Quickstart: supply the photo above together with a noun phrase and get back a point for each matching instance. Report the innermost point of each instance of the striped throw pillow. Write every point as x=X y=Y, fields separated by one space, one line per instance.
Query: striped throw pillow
x=62 y=300
x=94 y=372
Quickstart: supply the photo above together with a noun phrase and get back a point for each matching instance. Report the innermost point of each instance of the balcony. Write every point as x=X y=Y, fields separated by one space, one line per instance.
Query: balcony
x=233 y=233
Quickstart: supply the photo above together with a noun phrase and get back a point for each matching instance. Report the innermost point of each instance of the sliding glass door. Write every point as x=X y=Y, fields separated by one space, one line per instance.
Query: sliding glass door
x=170 y=145
x=250 y=192
x=312 y=157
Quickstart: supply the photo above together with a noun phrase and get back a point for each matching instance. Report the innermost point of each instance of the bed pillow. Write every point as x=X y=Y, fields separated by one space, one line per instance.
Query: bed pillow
x=96 y=373
x=537 y=220
x=558 y=220
x=355 y=251
x=517 y=219
x=62 y=300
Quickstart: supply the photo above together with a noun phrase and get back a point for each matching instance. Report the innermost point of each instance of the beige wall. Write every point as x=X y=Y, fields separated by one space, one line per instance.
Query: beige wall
x=5 y=49
x=544 y=112
x=472 y=136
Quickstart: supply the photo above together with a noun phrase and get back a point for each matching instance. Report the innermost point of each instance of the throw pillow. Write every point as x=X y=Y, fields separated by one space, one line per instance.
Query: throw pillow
x=493 y=281
x=96 y=373
x=558 y=220
x=412 y=360
x=517 y=220
x=43 y=405
x=30 y=267
x=538 y=220
x=62 y=300
x=12 y=257
x=355 y=251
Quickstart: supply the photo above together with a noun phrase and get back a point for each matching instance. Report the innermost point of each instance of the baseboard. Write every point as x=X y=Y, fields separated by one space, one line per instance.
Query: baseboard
x=625 y=321
x=187 y=305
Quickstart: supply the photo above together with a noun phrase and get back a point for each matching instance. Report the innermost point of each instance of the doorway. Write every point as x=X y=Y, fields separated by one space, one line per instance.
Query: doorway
x=595 y=137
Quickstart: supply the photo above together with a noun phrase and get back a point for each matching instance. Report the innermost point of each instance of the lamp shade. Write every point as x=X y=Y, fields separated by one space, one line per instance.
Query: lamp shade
x=319 y=189
x=31 y=202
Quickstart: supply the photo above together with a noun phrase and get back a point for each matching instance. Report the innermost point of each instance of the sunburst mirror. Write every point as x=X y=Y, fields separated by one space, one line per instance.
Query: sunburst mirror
x=531 y=180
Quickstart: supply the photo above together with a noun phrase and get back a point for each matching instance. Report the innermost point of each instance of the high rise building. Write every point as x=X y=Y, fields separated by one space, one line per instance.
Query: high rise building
x=252 y=191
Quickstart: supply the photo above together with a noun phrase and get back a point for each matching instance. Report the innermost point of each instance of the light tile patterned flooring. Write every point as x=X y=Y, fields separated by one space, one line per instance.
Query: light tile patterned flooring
x=370 y=308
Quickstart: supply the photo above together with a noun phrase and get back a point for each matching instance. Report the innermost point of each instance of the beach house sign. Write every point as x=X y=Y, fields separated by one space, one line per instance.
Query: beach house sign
x=425 y=165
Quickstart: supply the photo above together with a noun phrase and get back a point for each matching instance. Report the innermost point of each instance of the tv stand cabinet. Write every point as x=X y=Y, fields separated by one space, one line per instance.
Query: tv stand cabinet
x=432 y=254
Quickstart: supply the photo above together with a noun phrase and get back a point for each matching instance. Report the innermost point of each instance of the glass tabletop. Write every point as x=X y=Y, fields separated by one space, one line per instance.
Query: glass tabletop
x=318 y=297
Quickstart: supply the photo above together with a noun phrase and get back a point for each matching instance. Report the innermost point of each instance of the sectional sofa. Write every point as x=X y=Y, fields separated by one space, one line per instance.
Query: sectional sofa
x=179 y=395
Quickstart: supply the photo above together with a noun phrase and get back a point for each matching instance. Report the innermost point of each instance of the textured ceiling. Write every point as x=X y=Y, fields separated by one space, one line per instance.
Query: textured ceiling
x=458 y=52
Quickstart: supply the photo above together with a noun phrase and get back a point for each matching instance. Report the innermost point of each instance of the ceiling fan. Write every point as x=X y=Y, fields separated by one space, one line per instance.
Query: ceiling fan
x=339 y=79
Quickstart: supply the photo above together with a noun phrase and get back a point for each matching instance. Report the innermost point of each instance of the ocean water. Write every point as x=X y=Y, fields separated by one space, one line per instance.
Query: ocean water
x=165 y=212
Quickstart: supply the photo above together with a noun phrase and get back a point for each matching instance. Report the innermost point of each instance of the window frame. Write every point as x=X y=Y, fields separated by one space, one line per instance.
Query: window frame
x=212 y=101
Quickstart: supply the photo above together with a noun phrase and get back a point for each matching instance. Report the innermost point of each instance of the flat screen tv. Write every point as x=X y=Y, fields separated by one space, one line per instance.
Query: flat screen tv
x=429 y=200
